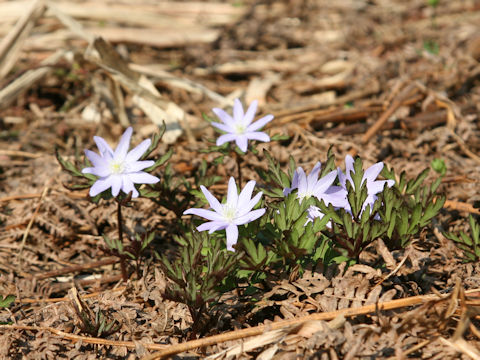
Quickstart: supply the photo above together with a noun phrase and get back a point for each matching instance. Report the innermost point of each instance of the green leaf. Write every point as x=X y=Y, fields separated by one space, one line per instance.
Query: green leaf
x=415 y=218
x=6 y=301
x=413 y=185
x=163 y=159
x=207 y=118
x=279 y=137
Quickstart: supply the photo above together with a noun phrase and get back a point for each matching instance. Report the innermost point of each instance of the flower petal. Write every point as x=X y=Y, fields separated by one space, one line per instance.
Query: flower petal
x=324 y=183
x=212 y=200
x=375 y=187
x=223 y=127
x=97 y=171
x=100 y=186
x=335 y=195
x=225 y=117
x=260 y=123
x=116 y=181
x=249 y=206
x=349 y=163
x=226 y=138
x=250 y=114
x=232 y=194
x=237 y=112
x=207 y=214
x=212 y=226
x=97 y=160
x=372 y=172
x=232 y=236
x=123 y=145
x=342 y=178
x=258 y=135
x=138 y=151
x=103 y=146
x=242 y=143
x=127 y=186
x=246 y=195
x=142 y=177
x=139 y=165
x=302 y=182
x=249 y=217
x=312 y=178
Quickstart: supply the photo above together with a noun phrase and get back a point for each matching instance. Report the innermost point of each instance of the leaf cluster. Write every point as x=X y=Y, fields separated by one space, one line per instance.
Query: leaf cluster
x=352 y=231
x=197 y=274
x=408 y=207
x=93 y=322
x=135 y=250
x=469 y=244
x=99 y=326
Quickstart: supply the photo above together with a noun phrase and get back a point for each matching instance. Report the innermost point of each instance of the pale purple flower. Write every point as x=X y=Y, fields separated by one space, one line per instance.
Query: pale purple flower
x=236 y=211
x=119 y=169
x=314 y=212
x=240 y=128
x=370 y=175
x=321 y=188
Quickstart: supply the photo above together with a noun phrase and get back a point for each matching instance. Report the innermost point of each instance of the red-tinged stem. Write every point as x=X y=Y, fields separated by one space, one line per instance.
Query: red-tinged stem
x=120 y=237
x=239 y=169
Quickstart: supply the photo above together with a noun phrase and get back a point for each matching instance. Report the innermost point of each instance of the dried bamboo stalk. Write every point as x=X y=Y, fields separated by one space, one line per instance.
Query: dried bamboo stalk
x=12 y=43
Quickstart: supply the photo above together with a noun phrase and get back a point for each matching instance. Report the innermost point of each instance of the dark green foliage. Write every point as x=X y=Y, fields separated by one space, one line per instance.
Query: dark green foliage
x=408 y=207
x=135 y=250
x=293 y=240
x=275 y=178
x=352 y=232
x=470 y=245
x=93 y=323
x=99 y=326
x=198 y=273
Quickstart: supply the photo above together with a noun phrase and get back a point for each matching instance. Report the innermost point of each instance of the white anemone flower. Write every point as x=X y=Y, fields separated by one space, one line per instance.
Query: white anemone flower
x=321 y=188
x=374 y=186
x=119 y=169
x=236 y=211
x=240 y=128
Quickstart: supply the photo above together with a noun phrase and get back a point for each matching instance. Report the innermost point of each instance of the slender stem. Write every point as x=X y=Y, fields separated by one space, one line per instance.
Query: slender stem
x=120 y=238
x=239 y=169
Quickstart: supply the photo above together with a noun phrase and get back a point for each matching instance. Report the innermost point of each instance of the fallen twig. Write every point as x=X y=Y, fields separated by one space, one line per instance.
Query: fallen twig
x=55 y=300
x=20 y=154
x=76 y=268
x=11 y=44
x=30 y=223
x=85 y=339
x=460 y=206
x=409 y=92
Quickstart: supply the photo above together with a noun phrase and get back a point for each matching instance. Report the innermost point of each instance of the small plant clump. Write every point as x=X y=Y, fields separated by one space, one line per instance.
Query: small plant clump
x=469 y=244
x=295 y=222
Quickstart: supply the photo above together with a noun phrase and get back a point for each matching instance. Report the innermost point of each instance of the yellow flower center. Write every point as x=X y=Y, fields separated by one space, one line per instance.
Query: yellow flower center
x=240 y=129
x=117 y=167
x=229 y=212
